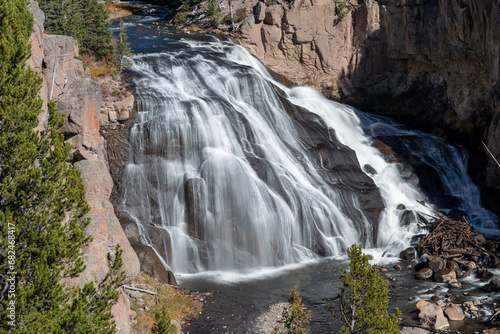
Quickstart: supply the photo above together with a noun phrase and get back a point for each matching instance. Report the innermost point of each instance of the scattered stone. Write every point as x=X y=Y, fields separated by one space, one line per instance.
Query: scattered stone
x=112 y=116
x=398 y=267
x=384 y=269
x=424 y=273
x=454 y=312
x=435 y=298
x=421 y=304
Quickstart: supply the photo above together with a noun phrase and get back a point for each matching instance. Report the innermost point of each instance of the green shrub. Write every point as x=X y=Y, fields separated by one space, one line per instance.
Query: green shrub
x=294 y=316
x=363 y=298
x=162 y=323
x=342 y=9
x=213 y=12
x=180 y=18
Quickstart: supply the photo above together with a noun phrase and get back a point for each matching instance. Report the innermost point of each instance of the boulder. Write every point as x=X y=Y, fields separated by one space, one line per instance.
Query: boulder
x=259 y=12
x=436 y=263
x=431 y=315
x=455 y=267
x=454 y=312
x=421 y=304
x=492 y=286
x=485 y=275
x=424 y=273
x=454 y=283
x=444 y=275
x=407 y=254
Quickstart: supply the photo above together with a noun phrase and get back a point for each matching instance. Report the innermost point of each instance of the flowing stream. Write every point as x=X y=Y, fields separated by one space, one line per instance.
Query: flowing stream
x=232 y=175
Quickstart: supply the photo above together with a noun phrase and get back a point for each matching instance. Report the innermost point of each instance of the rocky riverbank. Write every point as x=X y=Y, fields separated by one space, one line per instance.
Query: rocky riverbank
x=453 y=254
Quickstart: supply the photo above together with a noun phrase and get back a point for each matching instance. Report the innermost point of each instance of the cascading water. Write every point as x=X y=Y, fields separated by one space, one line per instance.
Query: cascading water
x=221 y=175
x=441 y=168
x=228 y=169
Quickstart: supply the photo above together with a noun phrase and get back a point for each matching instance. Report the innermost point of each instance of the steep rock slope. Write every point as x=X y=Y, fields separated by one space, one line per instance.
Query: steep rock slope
x=434 y=64
x=79 y=98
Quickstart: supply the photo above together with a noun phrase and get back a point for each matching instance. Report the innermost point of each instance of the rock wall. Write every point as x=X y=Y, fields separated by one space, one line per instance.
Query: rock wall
x=80 y=99
x=434 y=64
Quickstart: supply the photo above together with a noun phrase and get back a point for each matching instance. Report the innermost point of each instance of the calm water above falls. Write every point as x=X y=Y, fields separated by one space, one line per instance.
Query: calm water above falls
x=232 y=173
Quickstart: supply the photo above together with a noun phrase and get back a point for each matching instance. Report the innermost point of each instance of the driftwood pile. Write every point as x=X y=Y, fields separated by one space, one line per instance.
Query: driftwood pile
x=452 y=239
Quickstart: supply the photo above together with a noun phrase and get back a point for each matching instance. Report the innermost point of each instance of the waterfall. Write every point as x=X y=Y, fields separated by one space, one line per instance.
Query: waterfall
x=228 y=169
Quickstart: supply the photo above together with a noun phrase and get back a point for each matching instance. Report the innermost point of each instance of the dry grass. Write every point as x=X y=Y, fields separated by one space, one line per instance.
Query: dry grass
x=117 y=10
x=100 y=68
x=179 y=306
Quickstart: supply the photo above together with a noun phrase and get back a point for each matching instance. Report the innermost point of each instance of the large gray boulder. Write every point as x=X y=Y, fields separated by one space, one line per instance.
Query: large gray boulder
x=431 y=315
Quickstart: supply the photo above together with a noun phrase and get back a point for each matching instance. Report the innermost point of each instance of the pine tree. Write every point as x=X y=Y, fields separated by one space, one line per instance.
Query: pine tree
x=124 y=51
x=363 y=298
x=162 y=323
x=42 y=205
x=295 y=316
x=85 y=20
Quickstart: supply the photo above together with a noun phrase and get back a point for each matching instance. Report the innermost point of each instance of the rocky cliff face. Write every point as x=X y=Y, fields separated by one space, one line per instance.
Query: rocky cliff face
x=434 y=64
x=79 y=99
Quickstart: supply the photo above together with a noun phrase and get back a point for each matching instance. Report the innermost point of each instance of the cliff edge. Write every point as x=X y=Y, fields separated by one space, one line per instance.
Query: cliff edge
x=80 y=99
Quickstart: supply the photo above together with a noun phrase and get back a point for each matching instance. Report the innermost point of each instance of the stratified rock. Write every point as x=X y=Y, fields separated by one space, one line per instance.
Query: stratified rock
x=444 y=275
x=431 y=315
x=454 y=312
x=424 y=273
